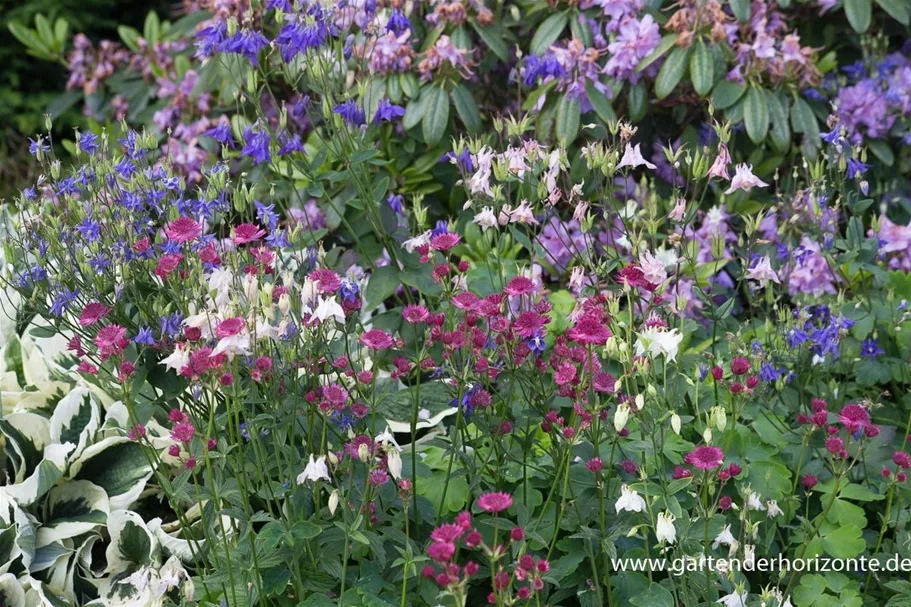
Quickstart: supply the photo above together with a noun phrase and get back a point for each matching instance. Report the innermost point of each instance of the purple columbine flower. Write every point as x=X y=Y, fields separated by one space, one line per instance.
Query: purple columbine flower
x=869 y=349
x=221 y=133
x=387 y=112
x=350 y=111
x=256 y=145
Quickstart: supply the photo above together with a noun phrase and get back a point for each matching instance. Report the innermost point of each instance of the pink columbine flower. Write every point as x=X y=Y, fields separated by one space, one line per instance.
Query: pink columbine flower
x=183 y=229
x=377 y=339
x=719 y=168
x=763 y=273
x=632 y=158
x=705 y=457
x=247 y=232
x=745 y=180
x=494 y=502
x=92 y=313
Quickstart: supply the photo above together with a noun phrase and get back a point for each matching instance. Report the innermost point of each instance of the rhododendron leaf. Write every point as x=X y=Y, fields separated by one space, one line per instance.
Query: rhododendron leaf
x=568 y=119
x=898 y=10
x=702 y=68
x=780 y=132
x=726 y=93
x=741 y=9
x=600 y=104
x=664 y=45
x=671 y=73
x=859 y=13
x=492 y=35
x=548 y=32
x=756 y=114
x=436 y=114
x=466 y=108
x=637 y=101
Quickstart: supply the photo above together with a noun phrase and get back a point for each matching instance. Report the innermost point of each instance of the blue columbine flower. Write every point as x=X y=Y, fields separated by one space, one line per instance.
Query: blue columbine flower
x=256 y=145
x=88 y=142
x=62 y=300
x=290 y=144
x=387 y=112
x=768 y=373
x=221 y=133
x=277 y=239
x=536 y=342
x=209 y=39
x=170 y=324
x=795 y=338
x=144 y=336
x=463 y=160
x=246 y=43
x=397 y=23
x=869 y=349
x=89 y=229
x=35 y=146
x=396 y=202
x=349 y=290
x=441 y=228
x=856 y=168
x=538 y=67
x=350 y=111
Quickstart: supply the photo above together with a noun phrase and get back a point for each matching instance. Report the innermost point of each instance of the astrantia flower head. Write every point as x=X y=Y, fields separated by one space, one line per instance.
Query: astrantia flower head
x=377 y=339
x=92 y=313
x=445 y=241
x=494 y=502
x=589 y=330
x=705 y=457
x=183 y=229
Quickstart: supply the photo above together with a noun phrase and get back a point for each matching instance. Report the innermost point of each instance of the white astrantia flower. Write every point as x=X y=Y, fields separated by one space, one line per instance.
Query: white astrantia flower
x=664 y=528
x=316 y=470
x=629 y=500
x=725 y=537
x=659 y=342
x=632 y=157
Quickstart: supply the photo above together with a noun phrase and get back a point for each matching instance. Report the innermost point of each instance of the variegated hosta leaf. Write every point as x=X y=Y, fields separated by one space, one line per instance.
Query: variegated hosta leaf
x=40 y=595
x=181 y=548
x=17 y=534
x=76 y=419
x=48 y=555
x=132 y=544
x=128 y=588
x=11 y=592
x=73 y=508
x=27 y=434
x=118 y=466
x=45 y=476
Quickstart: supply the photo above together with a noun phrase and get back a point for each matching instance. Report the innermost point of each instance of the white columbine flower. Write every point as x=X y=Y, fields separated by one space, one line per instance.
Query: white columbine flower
x=664 y=528
x=725 y=537
x=754 y=501
x=629 y=501
x=394 y=463
x=734 y=600
x=658 y=342
x=316 y=470
x=329 y=308
x=178 y=359
x=652 y=268
x=762 y=272
x=632 y=157
x=485 y=219
x=744 y=179
x=621 y=416
x=773 y=508
x=420 y=240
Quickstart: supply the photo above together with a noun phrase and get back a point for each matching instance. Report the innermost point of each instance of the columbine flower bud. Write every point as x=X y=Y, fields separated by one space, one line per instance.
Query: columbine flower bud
x=621 y=417
x=719 y=418
x=675 y=423
x=363 y=453
x=333 y=502
x=707 y=435
x=640 y=402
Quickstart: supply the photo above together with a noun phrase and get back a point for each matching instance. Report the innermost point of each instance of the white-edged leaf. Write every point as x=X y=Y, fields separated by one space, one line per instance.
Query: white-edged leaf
x=118 y=466
x=175 y=546
x=28 y=434
x=73 y=508
x=11 y=592
x=45 y=476
x=132 y=544
x=76 y=418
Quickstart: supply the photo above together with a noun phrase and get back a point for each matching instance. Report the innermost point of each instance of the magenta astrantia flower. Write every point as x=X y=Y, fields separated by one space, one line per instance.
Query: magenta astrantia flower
x=183 y=432
x=247 y=232
x=528 y=323
x=110 y=336
x=441 y=552
x=465 y=301
x=414 y=314
x=494 y=502
x=445 y=241
x=229 y=327
x=376 y=339
x=327 y=281
x=589 y=330
x=854 y=417
x=183 y=229
x=705 y=457
x=92 y=313
x=447 y=533
x=520 y=285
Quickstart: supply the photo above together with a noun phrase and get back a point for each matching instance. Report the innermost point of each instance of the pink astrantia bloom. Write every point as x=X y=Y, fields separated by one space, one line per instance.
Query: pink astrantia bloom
x=415 y=314
x=763 y=273
x=247 y=232
x=183 y=229
x=445 y=241
x=92 y=313
x=376 y=339
x=632 y=158
x=494 y=502
x=229 y=327
x=744 y=179
x=854 y=417
x=705 y=457
x=520 y=285
x=589 y=330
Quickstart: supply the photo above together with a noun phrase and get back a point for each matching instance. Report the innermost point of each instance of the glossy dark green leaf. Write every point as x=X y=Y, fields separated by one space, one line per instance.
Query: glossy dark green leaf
x=548 y=33
x=899 y=10
x=741 y=9
x=727 y=93
x=436 y=114
x=671 y=72
x=756 y=114
x=702 y=68
x=492 y=35
x=466 y=108
x=568 y=120
x=859 y=14
x=600 y=104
